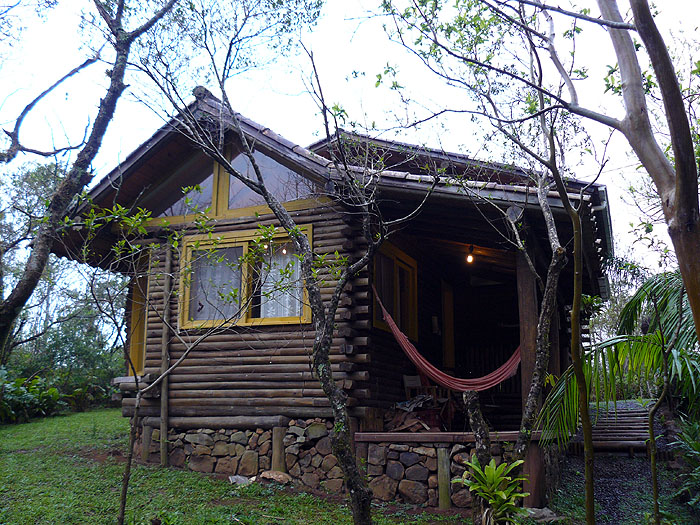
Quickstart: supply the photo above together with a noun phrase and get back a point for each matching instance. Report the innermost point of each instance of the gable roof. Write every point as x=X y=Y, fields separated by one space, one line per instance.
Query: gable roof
x=409 y=174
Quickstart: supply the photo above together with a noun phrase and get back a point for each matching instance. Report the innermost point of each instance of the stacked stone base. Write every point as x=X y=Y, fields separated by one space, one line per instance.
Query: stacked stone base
x=396 y=471
x=307 y=452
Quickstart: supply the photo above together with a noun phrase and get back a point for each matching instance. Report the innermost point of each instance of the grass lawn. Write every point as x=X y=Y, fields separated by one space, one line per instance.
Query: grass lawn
x=67 y=470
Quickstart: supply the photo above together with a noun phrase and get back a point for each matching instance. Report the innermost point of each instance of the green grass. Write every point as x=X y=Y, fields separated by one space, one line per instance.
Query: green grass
x=59 y=471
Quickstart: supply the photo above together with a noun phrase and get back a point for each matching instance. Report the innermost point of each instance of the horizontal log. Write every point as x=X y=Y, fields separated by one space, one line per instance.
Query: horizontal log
x=251 y=385
x=435 y=437
x=262 y=376
x=263 y=361
x=128 y=411
x=246 y=393
x=226 y=402
x=267 y=368
x=237 y=422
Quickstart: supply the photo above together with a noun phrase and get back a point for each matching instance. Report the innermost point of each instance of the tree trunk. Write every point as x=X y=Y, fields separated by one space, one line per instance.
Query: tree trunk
x=341 y=437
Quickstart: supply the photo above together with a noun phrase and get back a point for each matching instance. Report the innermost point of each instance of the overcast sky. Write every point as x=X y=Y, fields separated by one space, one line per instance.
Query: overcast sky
x=345 y=40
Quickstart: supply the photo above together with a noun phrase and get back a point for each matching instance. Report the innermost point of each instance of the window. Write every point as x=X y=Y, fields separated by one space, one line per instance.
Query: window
x=238 y=279
x=395 y=280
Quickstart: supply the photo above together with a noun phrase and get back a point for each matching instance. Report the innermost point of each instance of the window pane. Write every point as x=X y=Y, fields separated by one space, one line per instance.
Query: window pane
x=384 y=281
x=215 y=289
x=194 y=201
x=279 y=288
x=282 y=182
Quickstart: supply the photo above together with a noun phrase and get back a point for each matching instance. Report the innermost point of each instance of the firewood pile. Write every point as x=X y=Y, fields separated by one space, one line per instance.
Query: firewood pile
x=402 y=421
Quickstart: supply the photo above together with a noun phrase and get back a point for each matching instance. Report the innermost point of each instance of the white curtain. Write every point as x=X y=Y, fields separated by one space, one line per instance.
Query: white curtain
x=281 y=288
x=215 y=291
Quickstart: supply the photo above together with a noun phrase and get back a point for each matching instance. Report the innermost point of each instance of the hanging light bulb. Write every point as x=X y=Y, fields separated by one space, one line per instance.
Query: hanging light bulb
x=284 y=251
x=470 y=256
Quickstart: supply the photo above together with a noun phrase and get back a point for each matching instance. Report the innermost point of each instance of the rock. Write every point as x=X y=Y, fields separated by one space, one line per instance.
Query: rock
x=317 y=460
x=383 y=488
x=295 y=471
x=253 y=441
x=432 y=481
x=409 y=458
x=297 y=431
x=310 y=479
x=431 y=464
x=264 y=437
x=206 y=431
x=264 y=462
x=220 y=449
x=323 y=446
x=292 y=449
x=236 y=449
x=177 y=458
x=413 y=492
x=239 y=480
x=289 y=460
x=543 y=515
x=457 y=449
x=278 y=477
x=457 y=470
x=289 y=439
x=201 y=450
x=432 y=498
x=316 y=431
x=227 y=465
x=333 y=486
x=305 y=461
x=264 y=448
x=248 y=464
x=335 y=473
x=155 y=435
x=462 y=498
x=392 y=454
x=239 y=437
x=398 y=447
x=395 y=470
x=201 y=463
x=417 y=473
x=376 y=454
x=328 y=462
x=375 y=470
x=220 y=437
x=425 y=451
x=200 y=439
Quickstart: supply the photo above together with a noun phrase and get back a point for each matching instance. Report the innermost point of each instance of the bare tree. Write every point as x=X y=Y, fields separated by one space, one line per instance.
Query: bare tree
x=115 y=17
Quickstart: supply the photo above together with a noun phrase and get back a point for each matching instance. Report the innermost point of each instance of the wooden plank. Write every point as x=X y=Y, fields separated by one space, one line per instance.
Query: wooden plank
x=527 y=312
x=436 y=437
x=237 y=422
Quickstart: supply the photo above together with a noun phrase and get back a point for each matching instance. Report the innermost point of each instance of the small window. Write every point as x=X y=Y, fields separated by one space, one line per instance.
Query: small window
x=395 y=278
x=225 y=282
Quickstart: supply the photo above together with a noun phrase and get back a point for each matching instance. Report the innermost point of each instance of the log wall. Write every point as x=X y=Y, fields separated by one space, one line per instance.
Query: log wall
x=263 y=370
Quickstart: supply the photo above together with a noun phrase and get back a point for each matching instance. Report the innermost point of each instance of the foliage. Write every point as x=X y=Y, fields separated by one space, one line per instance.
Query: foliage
x=494 y=484
x=25 y=398
x=689 y=444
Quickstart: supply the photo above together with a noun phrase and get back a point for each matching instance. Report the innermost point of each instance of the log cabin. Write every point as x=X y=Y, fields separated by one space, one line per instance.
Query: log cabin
x=245 y=398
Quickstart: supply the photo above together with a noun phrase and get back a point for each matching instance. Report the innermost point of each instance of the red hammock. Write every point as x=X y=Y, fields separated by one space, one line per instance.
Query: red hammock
x=496 y=377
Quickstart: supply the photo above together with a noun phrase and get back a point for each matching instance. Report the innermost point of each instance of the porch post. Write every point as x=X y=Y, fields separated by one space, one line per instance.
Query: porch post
x=528 y=314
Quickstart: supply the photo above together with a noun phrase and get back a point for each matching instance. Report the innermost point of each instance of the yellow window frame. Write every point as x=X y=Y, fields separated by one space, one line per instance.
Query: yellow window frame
x=409 y=264
x=219 y=202
x=242 y=238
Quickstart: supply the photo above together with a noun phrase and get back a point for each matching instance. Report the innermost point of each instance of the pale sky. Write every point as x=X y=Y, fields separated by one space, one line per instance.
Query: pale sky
x=343 y=41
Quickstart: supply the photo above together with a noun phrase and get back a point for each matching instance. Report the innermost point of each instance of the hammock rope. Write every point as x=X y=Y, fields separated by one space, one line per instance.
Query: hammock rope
x=505 y=371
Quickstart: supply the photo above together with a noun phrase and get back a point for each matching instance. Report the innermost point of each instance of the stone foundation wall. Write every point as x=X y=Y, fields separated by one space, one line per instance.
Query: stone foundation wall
x=396 y=471
x=409 y=473
x=307 y=452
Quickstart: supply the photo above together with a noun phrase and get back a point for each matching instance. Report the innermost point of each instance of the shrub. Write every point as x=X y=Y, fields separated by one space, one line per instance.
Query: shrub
x=497 y=488
x=25 y=398
x=689 y=445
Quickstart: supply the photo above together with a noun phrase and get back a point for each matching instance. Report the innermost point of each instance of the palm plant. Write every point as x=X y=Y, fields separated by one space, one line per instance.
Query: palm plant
x=665 y=351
